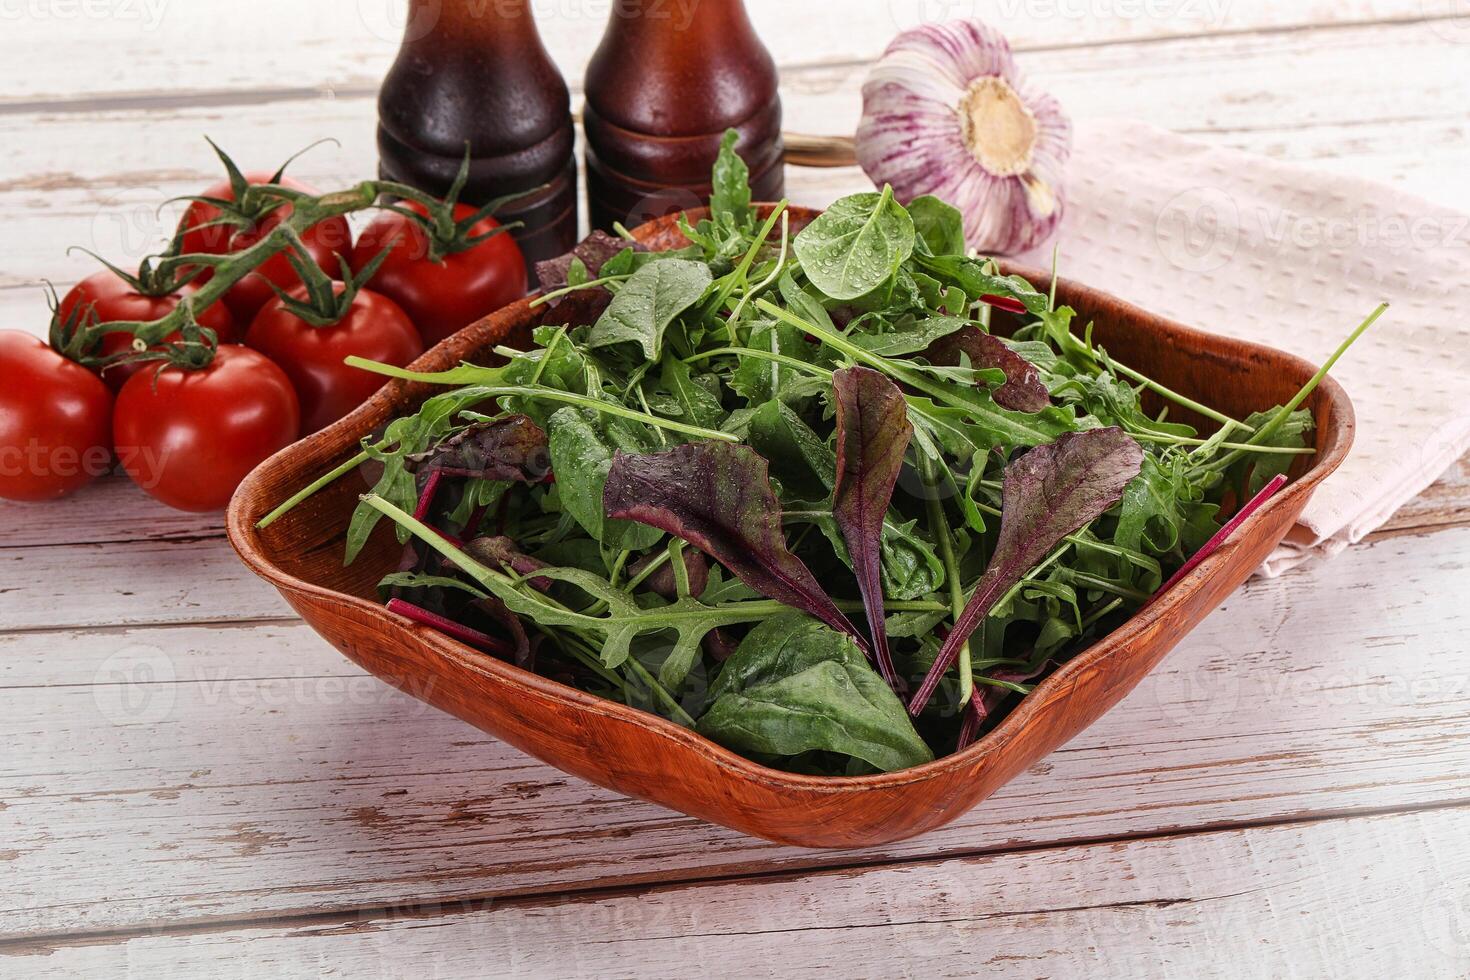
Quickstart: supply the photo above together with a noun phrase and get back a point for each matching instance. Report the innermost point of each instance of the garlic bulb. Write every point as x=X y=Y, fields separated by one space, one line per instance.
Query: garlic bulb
x=947 y=112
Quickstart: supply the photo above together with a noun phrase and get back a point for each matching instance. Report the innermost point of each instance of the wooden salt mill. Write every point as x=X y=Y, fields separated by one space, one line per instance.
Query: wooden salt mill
x=666 y=82
x=475 y=71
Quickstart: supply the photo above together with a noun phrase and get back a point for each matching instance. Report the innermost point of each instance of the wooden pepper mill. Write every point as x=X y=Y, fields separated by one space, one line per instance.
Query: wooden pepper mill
x=666 y=82
x=477 y=72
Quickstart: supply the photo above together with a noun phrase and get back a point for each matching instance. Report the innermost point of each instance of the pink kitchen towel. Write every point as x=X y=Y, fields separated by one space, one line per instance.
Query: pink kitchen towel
x=1281 y=255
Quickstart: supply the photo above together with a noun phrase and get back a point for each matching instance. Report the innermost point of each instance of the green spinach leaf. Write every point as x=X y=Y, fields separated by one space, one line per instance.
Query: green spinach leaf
x=795 y=686
x=856 y=245
x=655 y=296
x=582 y=449
x=940 y=227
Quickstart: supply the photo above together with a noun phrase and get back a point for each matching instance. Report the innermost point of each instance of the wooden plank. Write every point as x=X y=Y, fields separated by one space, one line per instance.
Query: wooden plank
x=233 y=761
x=110 y=510
x=1367 y=897
x=59 y=191
x=345 y=46
x=1445 y=503
x=151 y=580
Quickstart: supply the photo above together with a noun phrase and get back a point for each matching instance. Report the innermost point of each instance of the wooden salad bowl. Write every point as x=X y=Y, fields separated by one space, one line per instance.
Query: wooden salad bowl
x=645 y=756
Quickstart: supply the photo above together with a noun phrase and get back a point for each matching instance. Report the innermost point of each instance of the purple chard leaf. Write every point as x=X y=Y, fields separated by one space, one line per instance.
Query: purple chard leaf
x=1047 y=494
x=717 y=496
x=511 y=448
x=501 y=552
x=1023 y=391
x=873 y=431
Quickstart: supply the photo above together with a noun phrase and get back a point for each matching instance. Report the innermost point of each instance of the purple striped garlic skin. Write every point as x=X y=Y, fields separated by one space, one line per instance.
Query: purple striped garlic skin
x=947 y=112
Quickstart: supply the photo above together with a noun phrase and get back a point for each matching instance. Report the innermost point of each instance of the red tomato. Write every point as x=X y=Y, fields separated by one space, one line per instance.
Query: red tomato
x=442 y=297
x=250 y=294
x=189 y=437
x=113 y=299
x=373 y=327
x=55 y=421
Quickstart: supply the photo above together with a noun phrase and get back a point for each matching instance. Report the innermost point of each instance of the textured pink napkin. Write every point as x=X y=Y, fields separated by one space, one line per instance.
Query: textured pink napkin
x=1273 y=253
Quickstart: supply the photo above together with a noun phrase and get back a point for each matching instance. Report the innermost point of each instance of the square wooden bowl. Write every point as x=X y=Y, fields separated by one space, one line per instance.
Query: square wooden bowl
x=645 y=756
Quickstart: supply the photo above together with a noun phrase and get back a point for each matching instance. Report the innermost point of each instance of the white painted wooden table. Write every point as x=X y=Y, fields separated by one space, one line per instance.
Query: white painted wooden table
x=191 y=783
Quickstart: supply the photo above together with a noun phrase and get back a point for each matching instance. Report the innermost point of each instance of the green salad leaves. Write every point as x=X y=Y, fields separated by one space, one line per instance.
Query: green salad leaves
x=836 y=496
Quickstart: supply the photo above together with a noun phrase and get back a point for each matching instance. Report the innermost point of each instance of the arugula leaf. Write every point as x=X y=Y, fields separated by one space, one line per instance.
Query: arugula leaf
x=402 y=438
x=910 y=338
x=973 y=276
x=582 y=450
x=795 y=686
x=731 y=184
x=1292 y=433
x=873 y=432
x=697 y=403
x=1048 y=493
x=758 y=380
x=856 y=245
x=962 y=407
x=647 y=303
x=718 y=497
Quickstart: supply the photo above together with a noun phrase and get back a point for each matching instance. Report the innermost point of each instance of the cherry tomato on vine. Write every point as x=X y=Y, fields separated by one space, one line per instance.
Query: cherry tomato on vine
x=323 y=240
x=111 y=298
x=55 y=421
x=189 y=437
x=446 y=295
x=373 y=326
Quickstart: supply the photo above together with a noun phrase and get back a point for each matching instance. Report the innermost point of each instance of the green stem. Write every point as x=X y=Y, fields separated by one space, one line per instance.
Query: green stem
x=467 y=375
x=659 y=691
x=296 y=498
x=765 y=283
x=915 y=379
x=573 y=644
x=1013 y=590
x=1282 y=414
x=1240 y=447
x=939 y=527
x=655 y=563
x=1174 y=396
x=228 y=270
x=1103 y=585
x=738 y=276
x=589 y=284
x=1100 y=612
x=812 y=369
